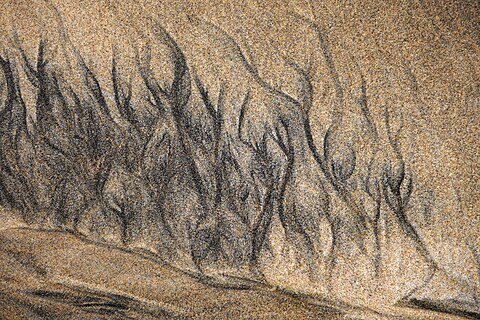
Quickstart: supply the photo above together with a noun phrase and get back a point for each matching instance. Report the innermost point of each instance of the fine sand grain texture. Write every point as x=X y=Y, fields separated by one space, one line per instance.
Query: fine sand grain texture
x=239 y=159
